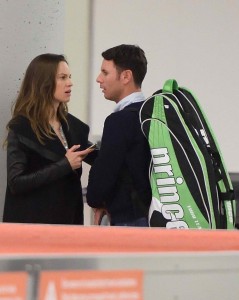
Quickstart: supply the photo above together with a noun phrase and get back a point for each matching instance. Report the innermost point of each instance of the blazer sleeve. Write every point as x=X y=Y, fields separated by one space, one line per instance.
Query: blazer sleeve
x=90 y=158
x=19 y=181
x=79 y=132
x=105 y=170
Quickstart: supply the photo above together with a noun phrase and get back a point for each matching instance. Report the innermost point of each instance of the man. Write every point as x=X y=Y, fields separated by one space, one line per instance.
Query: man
x=119 y=180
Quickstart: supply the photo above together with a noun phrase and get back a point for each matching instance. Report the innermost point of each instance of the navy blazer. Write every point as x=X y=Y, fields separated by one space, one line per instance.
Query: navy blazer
x=119 y=178
x=41 y=185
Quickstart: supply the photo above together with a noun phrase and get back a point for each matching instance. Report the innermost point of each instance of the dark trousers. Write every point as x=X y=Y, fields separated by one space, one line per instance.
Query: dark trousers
x=142 y=222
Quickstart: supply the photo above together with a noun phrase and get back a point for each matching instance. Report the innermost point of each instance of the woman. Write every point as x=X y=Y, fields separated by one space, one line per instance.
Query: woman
x=45 y=148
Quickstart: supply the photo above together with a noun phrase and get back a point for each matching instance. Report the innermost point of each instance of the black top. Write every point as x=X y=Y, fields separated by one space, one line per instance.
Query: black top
x=41 y=185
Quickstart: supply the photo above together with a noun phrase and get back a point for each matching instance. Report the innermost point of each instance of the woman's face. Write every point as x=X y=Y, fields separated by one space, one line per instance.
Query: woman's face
x=63 y=83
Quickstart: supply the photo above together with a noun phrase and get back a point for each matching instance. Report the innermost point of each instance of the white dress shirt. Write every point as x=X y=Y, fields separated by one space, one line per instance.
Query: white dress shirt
x=132 y=98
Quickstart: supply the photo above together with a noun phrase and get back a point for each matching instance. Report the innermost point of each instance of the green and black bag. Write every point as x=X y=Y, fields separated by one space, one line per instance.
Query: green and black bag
x=191 y=187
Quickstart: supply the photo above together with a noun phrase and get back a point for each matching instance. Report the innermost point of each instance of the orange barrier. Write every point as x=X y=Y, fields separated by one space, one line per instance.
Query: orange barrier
x=61 y=239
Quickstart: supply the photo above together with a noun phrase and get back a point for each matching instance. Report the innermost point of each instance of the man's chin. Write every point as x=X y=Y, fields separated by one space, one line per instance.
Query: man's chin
x=109 y=99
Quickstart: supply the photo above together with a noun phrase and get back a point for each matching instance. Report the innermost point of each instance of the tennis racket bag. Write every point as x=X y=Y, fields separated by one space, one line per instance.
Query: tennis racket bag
x=191 y=187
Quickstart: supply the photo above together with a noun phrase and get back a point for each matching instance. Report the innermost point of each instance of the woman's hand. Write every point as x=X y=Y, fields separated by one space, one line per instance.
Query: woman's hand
x=75 y=157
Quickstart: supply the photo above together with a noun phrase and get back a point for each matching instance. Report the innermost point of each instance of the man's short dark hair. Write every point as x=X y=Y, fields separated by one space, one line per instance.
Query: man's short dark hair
x=128 y=57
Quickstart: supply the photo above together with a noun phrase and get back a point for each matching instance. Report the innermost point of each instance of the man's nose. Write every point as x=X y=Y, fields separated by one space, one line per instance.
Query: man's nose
x=98 y=79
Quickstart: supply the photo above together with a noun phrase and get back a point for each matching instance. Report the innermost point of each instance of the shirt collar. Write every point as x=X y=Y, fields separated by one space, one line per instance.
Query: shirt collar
x=132 y=98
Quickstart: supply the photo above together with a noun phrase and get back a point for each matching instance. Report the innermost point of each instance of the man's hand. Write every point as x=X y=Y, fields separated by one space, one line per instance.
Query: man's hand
x=98 y=215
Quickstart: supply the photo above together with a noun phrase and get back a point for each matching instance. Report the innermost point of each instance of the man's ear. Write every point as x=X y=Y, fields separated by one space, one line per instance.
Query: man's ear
x=126 y=76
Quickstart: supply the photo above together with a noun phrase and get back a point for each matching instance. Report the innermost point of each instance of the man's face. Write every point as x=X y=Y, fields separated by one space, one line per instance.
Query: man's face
x=110 y=81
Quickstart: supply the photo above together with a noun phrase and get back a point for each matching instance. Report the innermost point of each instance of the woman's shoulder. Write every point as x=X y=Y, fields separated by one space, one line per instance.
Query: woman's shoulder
x=21 y=126
x=75 y=122
x=19 y=123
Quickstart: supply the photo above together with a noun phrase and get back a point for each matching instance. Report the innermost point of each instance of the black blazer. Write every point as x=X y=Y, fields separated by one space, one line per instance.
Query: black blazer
x=41 y=185
x=119 y=178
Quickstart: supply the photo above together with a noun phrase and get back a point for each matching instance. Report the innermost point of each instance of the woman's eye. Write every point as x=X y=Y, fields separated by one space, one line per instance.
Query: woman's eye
x=63 y=77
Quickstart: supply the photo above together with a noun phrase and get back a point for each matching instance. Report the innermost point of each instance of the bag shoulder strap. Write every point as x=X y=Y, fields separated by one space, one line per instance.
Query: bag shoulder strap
x=170 y=85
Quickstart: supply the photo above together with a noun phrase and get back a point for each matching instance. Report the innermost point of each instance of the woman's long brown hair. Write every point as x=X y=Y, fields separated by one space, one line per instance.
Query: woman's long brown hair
x=35 y=98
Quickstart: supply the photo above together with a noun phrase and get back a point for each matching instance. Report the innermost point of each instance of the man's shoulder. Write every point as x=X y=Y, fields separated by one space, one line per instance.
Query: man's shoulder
x=125 y=116
x=135 y=107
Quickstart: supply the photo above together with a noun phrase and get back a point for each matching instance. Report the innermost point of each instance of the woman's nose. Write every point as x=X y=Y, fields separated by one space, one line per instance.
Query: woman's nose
x=70 y=82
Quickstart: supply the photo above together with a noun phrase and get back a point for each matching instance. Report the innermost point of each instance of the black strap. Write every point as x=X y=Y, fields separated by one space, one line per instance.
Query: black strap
x=229 y=195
